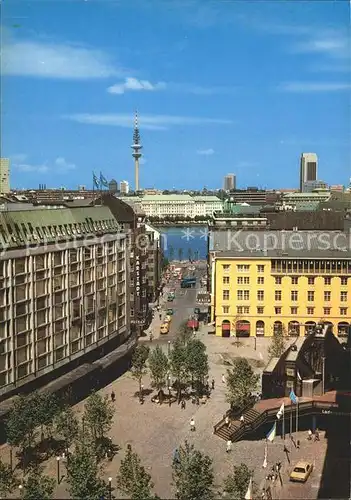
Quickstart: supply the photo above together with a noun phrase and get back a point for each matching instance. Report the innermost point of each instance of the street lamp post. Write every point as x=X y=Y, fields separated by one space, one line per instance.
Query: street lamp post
x=20 y=487
x=110 y=488
x=142 y=393
x=323 y=375
x=255 y=342
x=169 y=347
x=58 y=469
x=11 y=458
x=169 y=395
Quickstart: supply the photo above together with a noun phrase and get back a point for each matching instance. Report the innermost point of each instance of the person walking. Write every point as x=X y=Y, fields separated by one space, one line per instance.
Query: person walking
x=192 y=424
x=151 y=337
x=213 y=384
x=182 y=404
x=223 y=378
x=160 y=316
x=316 y=435
x=229 y=446
x=113 y=397
x=242 y=419
x=309 y=437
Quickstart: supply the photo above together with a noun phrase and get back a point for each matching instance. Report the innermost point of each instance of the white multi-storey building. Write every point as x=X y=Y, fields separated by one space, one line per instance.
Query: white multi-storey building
x=4 y=175
x=63 y=279
x=176 y=205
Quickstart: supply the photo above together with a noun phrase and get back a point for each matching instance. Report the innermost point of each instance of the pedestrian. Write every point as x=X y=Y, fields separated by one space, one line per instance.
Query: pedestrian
x=242 y=419
x=160 y=316
x=227 y=421
x=309 y=438
x=113 y=397
x=298 y=444
x=229 y=446
x=151 y=337
x=316 y=435
x=192 y=424
x=182 y=404
x=223 y=378
x=213 y=384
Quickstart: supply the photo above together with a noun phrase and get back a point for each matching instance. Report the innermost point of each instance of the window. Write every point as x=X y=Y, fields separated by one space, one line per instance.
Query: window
x=278 y=295
x=327 y=280
x=327 y=296
x=243 y=310
x=278 y=310
x=311 y=281
x=225 y=309
x=278 y=280
x=294 y=280
x=326 y=311
x=225 y=280
x=260 y=280
x=243 y=280
x=225 y=294
x=343 y=311
x=260 y=310
x=243 y=268
x=310 y=310
x=310 y=296
x=260 y=268
x=243 y=294
x=260 y=295
x=343 y=280
x=343 y=296
x=226 y=267
x=246 y=295
x=294 y=295
x=293 y=310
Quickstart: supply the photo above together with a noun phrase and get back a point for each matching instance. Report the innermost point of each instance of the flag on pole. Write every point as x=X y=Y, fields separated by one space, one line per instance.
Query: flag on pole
x=272 y=433
x=293 y=397
x=264 y=465
x=248 y=495
x=103 y=181
x=96 y=182
x=280 y=411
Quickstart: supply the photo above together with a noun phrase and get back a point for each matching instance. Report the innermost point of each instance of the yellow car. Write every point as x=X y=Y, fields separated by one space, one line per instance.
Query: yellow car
x=168 y=318
x=164 y=328
x=301 y=472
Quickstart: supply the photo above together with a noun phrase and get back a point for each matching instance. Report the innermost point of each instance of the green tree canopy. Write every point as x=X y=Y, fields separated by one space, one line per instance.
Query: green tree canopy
x=192 y=474
x=22 y=422
x=241 y=382
x=8 y=480
x=37 y=486
x=197 y=361
x=139 y=359
x=98 y=415
x=237 y=483
x=133 y=480
x=83 y=474
x=277 y=345
x=158 y=364
x=67 y=426
x=47 y=408
x=185 y=333
x=178 y=364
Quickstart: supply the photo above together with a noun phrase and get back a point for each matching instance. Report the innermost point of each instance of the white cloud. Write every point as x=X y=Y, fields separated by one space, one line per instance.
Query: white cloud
x=55 y=60
x=135 y=84
x=199 y=90
x=58 y=166
x=313 y=87
x=147 y=122
x=205 y=152
x=18 y=158
x=332 y=45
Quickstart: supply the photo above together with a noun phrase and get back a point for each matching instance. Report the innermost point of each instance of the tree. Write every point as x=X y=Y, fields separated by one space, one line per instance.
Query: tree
x=192 y=474
x=197 y=362
x=178 y=364
x=133 y=480
x=22 y=422
x=83 y=474
x=278 y=345
x=158 y=364
x=237 y=483
x=98 y=414
x=139 y=359
x=241 y=381
x=180 y=254
x=67 y=426
x=8 y=480
x=46 y=409
x=37 y=486
x=185 y=333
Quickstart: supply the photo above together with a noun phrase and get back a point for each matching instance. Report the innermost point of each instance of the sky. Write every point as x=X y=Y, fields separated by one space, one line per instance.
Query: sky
x=220 y=87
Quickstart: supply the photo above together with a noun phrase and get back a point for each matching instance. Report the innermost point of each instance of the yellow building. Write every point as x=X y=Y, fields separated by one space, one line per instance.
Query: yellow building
x=256 y=292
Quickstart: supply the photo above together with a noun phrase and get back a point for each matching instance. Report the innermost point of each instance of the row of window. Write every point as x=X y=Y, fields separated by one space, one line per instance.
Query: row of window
x=244 y=268
x=294 y=295
x=245 y=280
x=278 y=310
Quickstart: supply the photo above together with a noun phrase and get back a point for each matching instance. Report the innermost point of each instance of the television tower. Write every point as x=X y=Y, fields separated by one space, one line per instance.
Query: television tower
x=136 y=147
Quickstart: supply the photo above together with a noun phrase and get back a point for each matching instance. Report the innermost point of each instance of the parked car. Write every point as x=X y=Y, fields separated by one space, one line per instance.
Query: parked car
x=301 y=472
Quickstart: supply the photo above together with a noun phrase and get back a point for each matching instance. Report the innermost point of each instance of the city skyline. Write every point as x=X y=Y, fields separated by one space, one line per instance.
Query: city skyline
x=208 y=100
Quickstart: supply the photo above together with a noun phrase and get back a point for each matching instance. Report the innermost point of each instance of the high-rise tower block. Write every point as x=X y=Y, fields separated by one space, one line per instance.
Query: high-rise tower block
x=136 y=147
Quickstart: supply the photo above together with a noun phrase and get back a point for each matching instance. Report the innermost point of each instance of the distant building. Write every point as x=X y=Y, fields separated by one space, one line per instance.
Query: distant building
x=124 y=187
x=337 y=187
x=304 y=200
x=254 y=196
x=229 y=182
x=113 y=186
x=308 y=168
x=309 y=186
x=4 y=175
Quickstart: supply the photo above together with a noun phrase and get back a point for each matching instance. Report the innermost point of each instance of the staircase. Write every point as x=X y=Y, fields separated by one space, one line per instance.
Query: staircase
x=238 y=429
